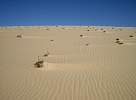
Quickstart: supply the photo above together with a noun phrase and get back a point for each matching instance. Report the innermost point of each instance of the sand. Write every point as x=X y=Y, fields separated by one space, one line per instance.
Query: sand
x=84 y=63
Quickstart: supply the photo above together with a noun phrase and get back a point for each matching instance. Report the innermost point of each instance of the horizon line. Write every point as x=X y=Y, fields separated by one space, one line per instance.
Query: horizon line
x=65 y=25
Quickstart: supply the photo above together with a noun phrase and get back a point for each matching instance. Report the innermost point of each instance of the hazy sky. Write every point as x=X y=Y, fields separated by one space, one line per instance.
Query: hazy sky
x=68 y=12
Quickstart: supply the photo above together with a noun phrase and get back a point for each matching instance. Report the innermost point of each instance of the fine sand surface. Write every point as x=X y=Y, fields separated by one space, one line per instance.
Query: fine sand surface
x=84 y=63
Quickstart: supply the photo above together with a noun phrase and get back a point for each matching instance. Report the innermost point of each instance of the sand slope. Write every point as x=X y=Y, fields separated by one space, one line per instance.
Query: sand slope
x=87 y=67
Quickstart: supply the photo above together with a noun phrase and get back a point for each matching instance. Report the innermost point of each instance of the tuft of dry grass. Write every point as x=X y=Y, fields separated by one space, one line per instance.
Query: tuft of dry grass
x=19 y=36
x=39 y=64
x=81 y=35
x=46 y=54
x=118 y=41
x=131 y=36
x=47 y=29
x=102 y=29
x=87 y=44
x=52 y=40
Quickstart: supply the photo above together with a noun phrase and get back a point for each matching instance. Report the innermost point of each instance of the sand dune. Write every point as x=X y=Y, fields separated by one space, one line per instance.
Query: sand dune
x=84 y=63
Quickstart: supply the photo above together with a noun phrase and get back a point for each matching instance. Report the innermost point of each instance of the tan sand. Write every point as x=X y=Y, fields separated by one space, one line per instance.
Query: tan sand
x=84 y=63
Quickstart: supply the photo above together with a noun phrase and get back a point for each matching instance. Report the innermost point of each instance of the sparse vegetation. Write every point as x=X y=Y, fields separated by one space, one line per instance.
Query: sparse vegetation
x=39 y=63
x=101 y=29
x=52 y=40
x=47 y=29
x=81 y=35
x=19 y=36
x=118 y=41
x=46 y=54
x=87 y=44
x=96 y=29
x=120 y=29
x=63 y=28
x=131 y=36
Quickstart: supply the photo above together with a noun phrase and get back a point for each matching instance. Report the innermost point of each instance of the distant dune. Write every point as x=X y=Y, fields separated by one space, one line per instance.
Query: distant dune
x=67 y=63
